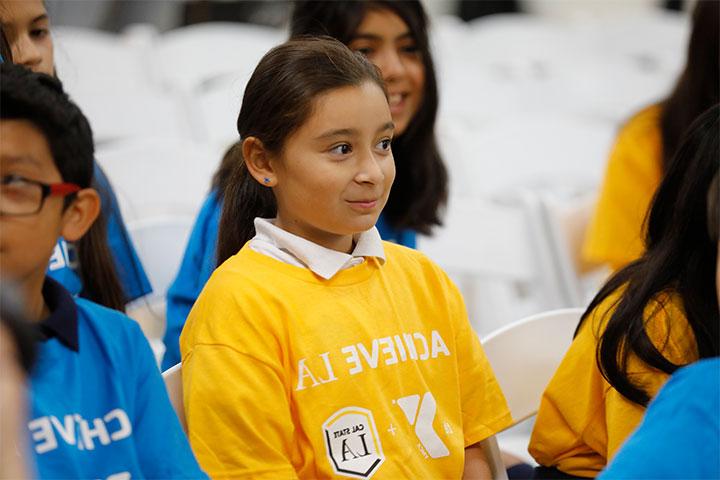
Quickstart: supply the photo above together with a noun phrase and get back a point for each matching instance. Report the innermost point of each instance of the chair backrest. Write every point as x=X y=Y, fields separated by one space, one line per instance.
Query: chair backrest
x=495 y=253
x=187 y=58
x=173 y=382
x=524 y=356
x=566 y=219
x=159 y=176
x=160 y=244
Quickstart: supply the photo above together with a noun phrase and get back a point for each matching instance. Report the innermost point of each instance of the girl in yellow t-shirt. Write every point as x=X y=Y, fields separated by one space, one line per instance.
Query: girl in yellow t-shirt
x=316 y=350
x=647 y=143
x=651 y=318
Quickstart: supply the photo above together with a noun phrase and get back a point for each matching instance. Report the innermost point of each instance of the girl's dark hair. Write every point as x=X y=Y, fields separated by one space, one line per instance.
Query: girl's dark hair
x=278 y=99
x=5 y=47
x=680 y=258
x=221 y=178
x=420 y=191
x=40 y=99
x=713 y=209
x=698 y=87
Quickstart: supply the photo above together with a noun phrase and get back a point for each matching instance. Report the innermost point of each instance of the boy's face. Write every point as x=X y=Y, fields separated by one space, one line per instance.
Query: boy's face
x=27 y=28
x=27 y=242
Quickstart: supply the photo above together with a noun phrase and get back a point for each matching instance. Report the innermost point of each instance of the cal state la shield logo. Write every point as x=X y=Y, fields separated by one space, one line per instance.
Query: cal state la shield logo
x=352 y=442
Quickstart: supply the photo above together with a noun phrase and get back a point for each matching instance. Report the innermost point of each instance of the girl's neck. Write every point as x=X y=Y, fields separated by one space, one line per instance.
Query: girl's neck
x=36 y=308
x=339 y=243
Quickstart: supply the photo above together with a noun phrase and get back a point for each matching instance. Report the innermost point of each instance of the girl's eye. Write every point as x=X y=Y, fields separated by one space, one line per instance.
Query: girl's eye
x=343 y=149
x=413 y=49
x=367 y=51
x=39 y=33
x=385 y=144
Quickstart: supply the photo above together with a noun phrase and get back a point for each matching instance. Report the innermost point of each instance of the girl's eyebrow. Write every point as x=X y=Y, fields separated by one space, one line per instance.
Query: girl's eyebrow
x=336 y=133
x=377 y=38
x=44 y=16
x=386 y=126
x=351 y=131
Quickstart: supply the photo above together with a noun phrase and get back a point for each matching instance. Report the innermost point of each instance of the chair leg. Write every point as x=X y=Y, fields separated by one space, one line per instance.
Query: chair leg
x=492 y=452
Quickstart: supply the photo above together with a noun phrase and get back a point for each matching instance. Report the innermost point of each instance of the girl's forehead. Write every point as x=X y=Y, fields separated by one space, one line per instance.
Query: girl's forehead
x=382 y=20
x=17 y=12
x=357 y=108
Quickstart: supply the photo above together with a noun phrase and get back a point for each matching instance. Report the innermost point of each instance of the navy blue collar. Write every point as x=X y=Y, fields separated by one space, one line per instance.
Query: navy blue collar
x=63 y=319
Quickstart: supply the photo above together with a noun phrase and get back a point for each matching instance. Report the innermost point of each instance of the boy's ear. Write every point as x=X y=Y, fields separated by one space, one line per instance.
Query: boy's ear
x=258 y=161
x=80 y=214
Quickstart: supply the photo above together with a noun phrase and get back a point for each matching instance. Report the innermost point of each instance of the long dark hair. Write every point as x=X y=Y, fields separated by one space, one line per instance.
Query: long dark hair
x=41 y=100
x=5 y=47
x=221 y=178
x=680 y=258
x=278 y=99
x=698 y=87
x=420 y=191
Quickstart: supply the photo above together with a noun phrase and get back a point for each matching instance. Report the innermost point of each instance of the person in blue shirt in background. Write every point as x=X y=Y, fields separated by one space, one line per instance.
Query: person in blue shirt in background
x=99 y=407
x=26 y=29
x=393 y=35
x=679 y=436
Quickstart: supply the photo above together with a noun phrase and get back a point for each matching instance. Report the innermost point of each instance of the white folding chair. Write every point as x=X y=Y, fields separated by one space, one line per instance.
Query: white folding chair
x=160 y=243
x=566 y=219
x=524 y=356
x=159 y=176
x=173 y=383
x=189 y=58
x=496 y=255
x=105 y=74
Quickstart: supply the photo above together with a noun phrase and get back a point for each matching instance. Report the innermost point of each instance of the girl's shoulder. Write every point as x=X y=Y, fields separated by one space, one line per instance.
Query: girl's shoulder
x=406 y=256
x=107 y=329
x=415 y=266
x=664 y=319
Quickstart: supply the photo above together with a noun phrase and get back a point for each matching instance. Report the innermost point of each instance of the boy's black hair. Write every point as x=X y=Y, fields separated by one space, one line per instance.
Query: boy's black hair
x=41 y=100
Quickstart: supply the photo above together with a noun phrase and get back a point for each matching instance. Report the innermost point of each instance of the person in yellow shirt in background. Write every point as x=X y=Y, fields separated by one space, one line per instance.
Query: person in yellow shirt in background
x=316 y=350
x=651 y=318
x=647 y=143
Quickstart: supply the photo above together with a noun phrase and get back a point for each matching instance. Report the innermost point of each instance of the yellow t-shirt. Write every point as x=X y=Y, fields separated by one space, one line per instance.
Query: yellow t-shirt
x=582 y=420
x=375 y=372
x=615 y=234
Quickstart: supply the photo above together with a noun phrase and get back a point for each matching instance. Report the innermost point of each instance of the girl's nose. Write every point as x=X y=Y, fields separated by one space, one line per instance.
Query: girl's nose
x=390 y=65
x=26 y=53
x=370 y=171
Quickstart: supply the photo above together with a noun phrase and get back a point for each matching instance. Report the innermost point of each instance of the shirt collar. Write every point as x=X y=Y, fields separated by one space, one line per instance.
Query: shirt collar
x=63 y=319
x=324 y=262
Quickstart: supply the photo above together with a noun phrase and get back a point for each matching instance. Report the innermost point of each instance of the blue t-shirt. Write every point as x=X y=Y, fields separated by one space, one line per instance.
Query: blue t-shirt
x=679 y=436
x=199 y=263
x=99 y=407
x=63 y=263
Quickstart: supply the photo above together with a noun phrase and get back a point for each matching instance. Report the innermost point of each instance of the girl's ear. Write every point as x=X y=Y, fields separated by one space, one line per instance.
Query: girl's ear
x=258 y=161
x=80 y=214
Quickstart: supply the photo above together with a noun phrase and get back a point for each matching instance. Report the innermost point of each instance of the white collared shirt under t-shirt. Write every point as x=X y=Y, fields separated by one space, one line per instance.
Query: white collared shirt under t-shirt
x=274 y=242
